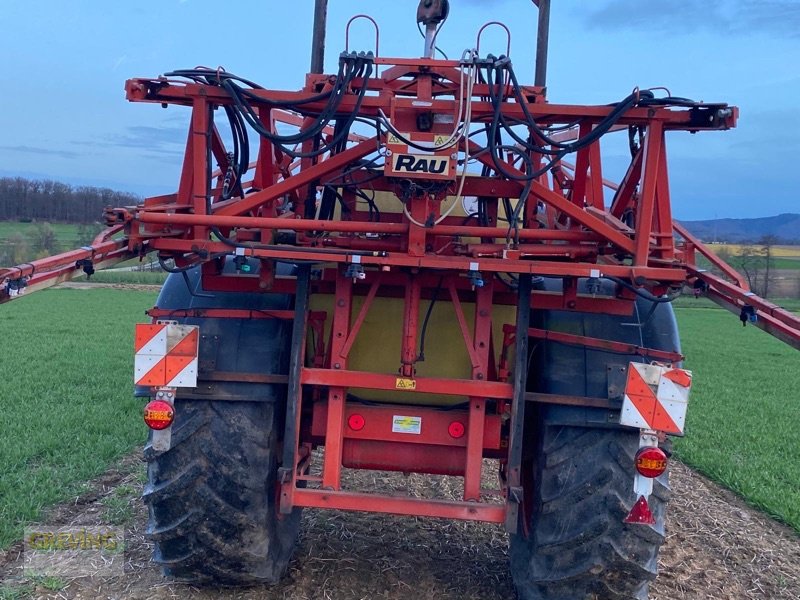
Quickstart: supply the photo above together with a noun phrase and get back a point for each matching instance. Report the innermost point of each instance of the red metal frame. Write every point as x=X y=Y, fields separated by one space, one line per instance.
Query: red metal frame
x=415 y=252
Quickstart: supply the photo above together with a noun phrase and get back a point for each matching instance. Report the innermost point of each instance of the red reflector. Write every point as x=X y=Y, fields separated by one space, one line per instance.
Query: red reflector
x=651 y=461
x=456 y=429
x=640 y=513
x=356 y=422
x=158 y=414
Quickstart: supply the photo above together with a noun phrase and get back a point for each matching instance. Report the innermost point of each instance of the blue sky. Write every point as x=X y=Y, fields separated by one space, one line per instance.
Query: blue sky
x=64 y=114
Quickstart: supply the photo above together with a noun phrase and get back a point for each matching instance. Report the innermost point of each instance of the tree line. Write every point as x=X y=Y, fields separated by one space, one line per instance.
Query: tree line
x=28 y=200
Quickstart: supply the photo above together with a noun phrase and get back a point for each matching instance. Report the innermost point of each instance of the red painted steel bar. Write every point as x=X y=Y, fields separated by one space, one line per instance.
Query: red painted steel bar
x=179 y=92
x=647 y=197
x=185 y=219
x=303 y=178
x=730 y=272
x=432 y=385
x=399 y=505
x=47 y=272
x=537 y=267
x=334 y=433
x=601 y=344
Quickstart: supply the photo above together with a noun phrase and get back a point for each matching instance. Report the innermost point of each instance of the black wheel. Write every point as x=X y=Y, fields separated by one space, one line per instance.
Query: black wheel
x=578 y=546
x=578 y=468
x=212 y=496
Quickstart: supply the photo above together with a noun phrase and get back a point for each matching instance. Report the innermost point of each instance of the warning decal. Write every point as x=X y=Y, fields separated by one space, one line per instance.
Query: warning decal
x=402 y=383
x=656 y=398
x=166 y=355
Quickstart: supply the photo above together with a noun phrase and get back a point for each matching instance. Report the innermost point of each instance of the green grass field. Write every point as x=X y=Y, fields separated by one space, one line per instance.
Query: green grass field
x=66 y=393
x=66 y=233
x=745 y=405
x=63 y=230
x=137 y=277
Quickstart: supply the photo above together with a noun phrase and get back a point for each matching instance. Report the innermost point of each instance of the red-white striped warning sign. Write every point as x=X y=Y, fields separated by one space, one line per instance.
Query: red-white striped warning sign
x=166 y=355
x=656 y=398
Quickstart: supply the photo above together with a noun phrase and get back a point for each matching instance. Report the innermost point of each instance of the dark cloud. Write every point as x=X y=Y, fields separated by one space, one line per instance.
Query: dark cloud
x=736 y=17
x=167 y=140
x=43 y=151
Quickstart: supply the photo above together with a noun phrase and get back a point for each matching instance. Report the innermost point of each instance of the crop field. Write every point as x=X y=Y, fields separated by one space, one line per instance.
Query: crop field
x=782 y=257
x=128 y=277
x=741 y=427
x=778 y=251
x=66 y=394
x=66 y=233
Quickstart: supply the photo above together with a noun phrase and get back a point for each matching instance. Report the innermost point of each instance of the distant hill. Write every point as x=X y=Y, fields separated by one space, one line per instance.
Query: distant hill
x=785 y=227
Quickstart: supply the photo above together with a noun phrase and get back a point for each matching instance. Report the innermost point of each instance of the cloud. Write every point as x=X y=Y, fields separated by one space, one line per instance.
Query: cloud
x=43 y=151
x=166 y=140
x=169 y=138
x=732 y=17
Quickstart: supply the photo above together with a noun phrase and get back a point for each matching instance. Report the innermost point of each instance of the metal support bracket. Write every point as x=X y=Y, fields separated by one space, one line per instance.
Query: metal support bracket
x=295 y=390
x=515 y=499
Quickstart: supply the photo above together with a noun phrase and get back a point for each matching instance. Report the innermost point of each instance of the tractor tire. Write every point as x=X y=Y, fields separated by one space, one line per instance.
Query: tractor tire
x=580 y=469
x=212 y=497
x=579 y=547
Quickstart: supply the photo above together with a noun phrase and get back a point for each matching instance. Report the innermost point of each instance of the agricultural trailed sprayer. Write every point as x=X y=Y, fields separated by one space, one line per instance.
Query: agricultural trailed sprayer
x=409 y=273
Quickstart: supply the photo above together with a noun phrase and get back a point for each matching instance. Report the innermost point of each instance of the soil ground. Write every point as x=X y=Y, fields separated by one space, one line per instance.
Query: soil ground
x=717 y=548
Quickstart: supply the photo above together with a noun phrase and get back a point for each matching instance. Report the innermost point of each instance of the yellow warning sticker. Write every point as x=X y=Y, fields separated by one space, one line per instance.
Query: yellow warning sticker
x=403 y=424
x=405 y=384
x=439 y=140
x=393 y=139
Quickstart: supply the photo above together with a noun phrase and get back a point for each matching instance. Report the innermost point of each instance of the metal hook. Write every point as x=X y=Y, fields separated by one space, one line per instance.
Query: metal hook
x=489 y=24
x=347 y=33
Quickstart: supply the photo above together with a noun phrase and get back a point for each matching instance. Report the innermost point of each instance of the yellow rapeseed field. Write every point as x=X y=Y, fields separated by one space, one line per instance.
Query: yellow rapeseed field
x=777 y=251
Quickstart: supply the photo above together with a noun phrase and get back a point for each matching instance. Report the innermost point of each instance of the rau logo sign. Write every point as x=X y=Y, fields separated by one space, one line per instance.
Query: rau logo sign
x=420 y=164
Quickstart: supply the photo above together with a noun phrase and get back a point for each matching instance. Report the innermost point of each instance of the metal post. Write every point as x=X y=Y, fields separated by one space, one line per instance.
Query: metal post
x=286 y=472
x=430 y=40
x=520 y=378
x=318 y=37
x=542 y=42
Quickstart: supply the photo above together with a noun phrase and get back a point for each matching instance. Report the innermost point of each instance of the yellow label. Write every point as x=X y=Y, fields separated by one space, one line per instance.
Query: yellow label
x=439 y=140
x=393 y=139
x=405 y=384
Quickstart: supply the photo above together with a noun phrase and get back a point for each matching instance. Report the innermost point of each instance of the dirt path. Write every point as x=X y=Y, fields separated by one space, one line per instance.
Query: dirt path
x=717 y=548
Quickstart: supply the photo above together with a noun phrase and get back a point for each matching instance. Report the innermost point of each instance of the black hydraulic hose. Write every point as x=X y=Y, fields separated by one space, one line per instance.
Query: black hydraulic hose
x=424 y=331
x=364 y=66
x=641 y=292
x=214 y=77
